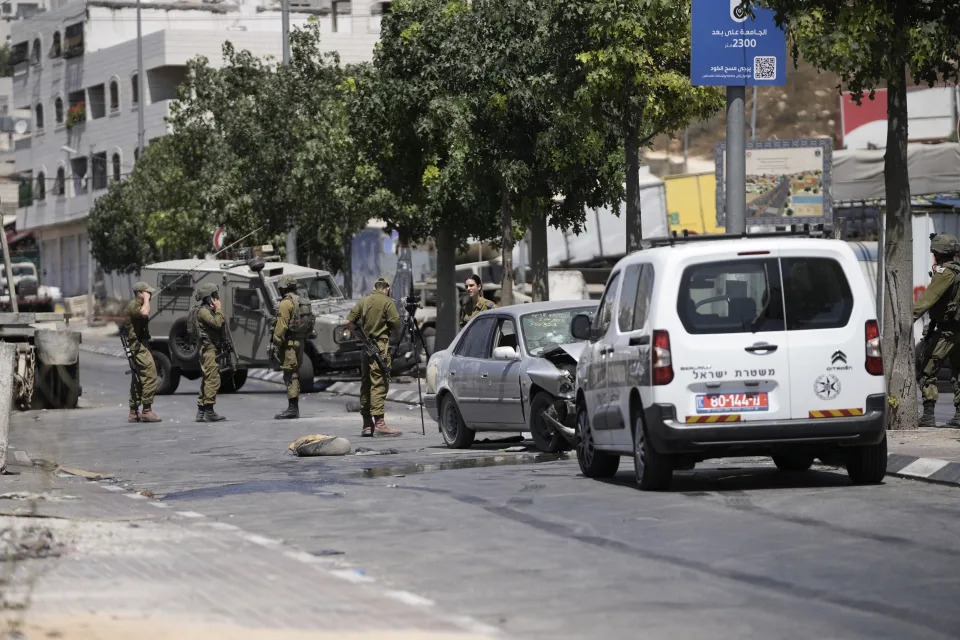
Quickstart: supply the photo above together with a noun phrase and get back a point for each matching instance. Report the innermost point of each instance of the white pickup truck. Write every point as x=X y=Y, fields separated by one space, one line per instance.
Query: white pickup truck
x=31 y=295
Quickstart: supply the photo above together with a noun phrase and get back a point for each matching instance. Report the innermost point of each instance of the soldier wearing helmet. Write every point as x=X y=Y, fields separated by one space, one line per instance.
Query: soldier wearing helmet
x=137 y=314
x=210 y=327
x=288 y=350
x=942 y=340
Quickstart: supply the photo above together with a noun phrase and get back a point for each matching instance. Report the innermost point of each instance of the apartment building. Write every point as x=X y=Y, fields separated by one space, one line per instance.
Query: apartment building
x=76 y=72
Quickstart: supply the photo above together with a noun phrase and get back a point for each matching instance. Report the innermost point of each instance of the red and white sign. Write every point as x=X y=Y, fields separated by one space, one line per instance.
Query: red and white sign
x=930 y=117
x=218 y=237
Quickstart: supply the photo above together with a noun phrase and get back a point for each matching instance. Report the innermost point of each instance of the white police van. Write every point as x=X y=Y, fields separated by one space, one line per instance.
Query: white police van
x=719 y=346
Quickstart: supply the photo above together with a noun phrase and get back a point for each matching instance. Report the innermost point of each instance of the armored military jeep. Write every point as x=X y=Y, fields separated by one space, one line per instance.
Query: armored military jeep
x=249 y=301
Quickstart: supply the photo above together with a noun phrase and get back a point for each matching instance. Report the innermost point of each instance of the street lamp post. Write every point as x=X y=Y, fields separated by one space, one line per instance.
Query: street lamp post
x=285 y=21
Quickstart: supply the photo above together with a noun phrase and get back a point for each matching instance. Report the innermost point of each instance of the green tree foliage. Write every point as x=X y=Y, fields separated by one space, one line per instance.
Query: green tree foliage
x=634 y=72
x=870 y=44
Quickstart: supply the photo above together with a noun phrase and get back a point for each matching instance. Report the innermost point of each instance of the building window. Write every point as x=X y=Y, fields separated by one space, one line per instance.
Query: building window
x=41 y=191
x=73 y=41
x=60 y=184
x=55 y=48
x=38 y=121
x=35 y=52
x=97 y=101
x=19 y=53
x=342 y=10
x=136 y=154
x=99 y=171
x=114 y=96
x=377 y=11
x=58 y=110
x=135 y=92
x=116 y=167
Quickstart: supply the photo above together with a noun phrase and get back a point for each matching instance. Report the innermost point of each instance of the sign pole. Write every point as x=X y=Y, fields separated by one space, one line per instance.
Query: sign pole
x=736 y=160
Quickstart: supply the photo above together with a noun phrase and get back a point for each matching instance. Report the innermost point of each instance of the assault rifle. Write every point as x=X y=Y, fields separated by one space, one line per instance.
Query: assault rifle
x=927 y=343
x=371 y=349
x=131 y=361
x=227 y=355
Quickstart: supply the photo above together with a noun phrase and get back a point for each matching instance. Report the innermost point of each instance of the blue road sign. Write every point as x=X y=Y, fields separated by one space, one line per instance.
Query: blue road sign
x=732 y=49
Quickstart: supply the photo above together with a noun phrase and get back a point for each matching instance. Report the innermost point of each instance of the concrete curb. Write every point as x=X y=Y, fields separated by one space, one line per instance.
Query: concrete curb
x=401 y=396
x=925 y=469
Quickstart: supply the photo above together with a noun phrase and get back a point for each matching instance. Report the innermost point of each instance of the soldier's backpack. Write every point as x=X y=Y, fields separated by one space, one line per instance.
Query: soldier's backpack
x=301 y=324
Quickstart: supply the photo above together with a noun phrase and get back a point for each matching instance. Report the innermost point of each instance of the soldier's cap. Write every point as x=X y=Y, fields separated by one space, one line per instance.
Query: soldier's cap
x=943 y=243
x=206 y=289
x=287 y=282
x=143 y=287
x=382 y=281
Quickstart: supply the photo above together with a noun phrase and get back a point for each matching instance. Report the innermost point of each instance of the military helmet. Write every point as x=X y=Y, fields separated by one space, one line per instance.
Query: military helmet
x=204 y=290
x=943 y=243
x=143 y=287
x=286 y=283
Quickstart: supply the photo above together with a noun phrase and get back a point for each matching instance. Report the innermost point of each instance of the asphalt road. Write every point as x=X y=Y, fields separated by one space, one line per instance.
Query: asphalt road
x=523 y=541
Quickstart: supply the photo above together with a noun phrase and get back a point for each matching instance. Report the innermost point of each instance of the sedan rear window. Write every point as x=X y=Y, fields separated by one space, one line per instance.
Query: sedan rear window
x=737 y=296
x=817 y=293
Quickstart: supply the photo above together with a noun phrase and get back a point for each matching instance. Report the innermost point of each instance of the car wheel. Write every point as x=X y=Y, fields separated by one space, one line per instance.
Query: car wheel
x=593 y=462
x=456 y=433
x=306 y=375
x=168 y=376
x=182 y=346
x=545 y=437
x=867 y=465
x=793 y=462
x=653 y=470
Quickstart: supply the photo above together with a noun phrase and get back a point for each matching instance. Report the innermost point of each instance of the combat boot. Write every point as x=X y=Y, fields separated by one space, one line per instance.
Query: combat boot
x=134 y=416
x=955 y=420
x=292 y=411
x=200 y=413
x=367 y=425
x=928 y=419
x=381 y=429
x=209 y=415
x=147 y=415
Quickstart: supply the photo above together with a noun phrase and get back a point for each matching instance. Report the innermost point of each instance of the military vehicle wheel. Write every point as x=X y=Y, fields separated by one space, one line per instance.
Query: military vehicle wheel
x=306 y=374
x=169 y=376
x=56 y=386
x=182 y=346
x=232 y=381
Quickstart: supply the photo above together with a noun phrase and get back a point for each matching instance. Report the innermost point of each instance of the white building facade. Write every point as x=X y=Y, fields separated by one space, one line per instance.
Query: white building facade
x=76 y=72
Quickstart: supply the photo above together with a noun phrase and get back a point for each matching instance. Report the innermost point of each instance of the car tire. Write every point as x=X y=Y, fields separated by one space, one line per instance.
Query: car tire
x=168 y=376
x=867 y=465
x=793 y=462
x=183 y=348
x=306 y=375
x=545 y=437
x=456 y=434
x=231 y=381
x=593 y=462
x=653 y=470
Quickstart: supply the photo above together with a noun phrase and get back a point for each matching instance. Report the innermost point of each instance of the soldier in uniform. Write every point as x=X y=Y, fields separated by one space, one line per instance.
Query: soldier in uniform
x=137 y=314
x=943 y=340
x=210 y=321
x=377 y=315
x=288 y=350
x=476 y=303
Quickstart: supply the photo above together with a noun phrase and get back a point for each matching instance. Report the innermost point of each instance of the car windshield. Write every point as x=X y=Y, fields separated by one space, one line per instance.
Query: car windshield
x=22 y=271
x=322 y=288
x=546 y=329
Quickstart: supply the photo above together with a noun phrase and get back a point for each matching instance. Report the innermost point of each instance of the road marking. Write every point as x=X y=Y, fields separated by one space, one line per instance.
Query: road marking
x=411 y=599
x=220 y=526
x=159 y=505
x=190 y=514
x=112 y=487
x=352 y=575
x=923 y=467
x=135 y=496
x=262 y=540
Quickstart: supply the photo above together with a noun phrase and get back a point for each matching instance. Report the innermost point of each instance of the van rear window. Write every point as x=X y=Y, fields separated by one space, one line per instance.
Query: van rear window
x=737 y=296
x=817 y=293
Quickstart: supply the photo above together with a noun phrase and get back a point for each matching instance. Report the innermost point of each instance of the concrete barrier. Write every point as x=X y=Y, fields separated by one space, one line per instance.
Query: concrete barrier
x=8 y=354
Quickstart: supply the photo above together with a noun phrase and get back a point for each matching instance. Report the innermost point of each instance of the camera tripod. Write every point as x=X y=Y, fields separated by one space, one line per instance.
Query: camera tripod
x=410 y=328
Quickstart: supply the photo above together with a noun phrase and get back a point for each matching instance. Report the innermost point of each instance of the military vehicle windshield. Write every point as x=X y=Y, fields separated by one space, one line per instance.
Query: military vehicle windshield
x=322 y=288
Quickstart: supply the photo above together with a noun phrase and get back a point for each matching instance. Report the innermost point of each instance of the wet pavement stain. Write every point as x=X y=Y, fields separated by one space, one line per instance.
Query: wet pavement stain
x=245 y=488
x=462 y=463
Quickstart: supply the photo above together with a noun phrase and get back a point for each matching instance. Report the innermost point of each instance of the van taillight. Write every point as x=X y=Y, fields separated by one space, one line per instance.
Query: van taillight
x=662 y=361
x=874 y=361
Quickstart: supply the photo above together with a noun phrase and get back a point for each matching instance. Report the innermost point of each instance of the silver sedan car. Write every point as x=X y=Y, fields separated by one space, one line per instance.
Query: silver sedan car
x=509 y=369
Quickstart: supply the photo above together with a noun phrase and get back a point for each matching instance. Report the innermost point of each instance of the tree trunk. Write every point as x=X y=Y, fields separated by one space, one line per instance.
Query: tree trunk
x=347 y=268
x=447 y=296
x=538 y=258
x=631 y=146
x=897 y=343
x=506 y=227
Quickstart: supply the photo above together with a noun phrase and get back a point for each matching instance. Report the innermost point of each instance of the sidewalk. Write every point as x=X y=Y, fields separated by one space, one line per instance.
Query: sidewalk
x=87 y=559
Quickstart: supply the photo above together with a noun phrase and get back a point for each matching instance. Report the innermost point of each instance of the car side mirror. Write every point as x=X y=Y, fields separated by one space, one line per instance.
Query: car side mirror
x=580 y=326
x=505 y=353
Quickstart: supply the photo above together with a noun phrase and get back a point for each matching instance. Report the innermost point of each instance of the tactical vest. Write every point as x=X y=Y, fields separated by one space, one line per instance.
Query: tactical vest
x=301 y=324
x=950 y=312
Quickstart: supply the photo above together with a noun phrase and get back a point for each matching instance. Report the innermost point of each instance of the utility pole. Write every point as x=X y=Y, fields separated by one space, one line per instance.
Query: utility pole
x=141 y=99
x=753 y=116
x=736 y=170
x=285 y=20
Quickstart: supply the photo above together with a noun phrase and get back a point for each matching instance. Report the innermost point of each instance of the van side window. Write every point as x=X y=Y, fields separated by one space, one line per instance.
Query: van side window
x=817 y=293
x=635 y=297
x=246 y=299
x=736 y=296
x=606 y=309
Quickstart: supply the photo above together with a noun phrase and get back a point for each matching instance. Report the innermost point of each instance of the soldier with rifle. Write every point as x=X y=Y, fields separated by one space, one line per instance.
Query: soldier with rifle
x=942 y=339
x=136 y=336
x=374 y=318
x=210 y=329
x=287 y=346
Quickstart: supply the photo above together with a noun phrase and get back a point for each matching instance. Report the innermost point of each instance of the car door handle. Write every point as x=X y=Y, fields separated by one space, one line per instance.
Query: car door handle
x=756 y=348
x=639 y=341
x=483 y=375
x=452 y=373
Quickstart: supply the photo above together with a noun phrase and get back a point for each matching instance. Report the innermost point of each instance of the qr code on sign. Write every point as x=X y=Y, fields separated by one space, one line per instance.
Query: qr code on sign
x=765 y=68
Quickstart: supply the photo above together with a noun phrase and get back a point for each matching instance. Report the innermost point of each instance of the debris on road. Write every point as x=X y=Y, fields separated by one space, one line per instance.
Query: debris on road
x=27 y=543
x=320 y=445
x=366 y=451
x=89 y=475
